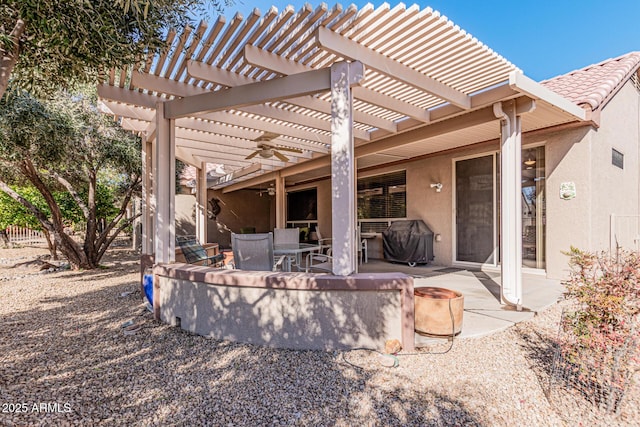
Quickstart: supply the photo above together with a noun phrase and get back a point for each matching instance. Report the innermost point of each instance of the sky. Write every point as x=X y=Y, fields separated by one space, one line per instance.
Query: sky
x=543 y=38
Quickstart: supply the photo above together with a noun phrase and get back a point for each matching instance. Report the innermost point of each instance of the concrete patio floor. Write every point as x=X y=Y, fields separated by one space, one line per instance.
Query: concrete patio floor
x=483 y=313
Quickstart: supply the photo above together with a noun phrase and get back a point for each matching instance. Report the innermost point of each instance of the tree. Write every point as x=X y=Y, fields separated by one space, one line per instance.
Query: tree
x=67 y=146
x=44 y=44
x=13 y=213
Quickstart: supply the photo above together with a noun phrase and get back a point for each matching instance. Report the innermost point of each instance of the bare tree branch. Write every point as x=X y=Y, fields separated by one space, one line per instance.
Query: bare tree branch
x=73 y=192
x=124 y=225
x=123 y=207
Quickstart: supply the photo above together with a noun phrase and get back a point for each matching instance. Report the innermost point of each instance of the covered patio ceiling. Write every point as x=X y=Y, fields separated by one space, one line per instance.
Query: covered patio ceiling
x=428 y=86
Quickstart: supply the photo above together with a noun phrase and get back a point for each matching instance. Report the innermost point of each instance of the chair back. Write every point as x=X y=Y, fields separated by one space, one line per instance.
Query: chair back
x=282 y=236
x=191 y=249
x=253 y=252
x=362 y=246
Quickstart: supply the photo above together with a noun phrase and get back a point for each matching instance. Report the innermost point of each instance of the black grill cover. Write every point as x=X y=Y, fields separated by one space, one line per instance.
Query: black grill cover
x=408 y=241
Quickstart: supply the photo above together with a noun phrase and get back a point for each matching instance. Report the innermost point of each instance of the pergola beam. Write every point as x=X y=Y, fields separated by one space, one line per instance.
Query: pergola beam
x=184 y=90
x=127 y=96
x=280 y=89
x=235 y=125
x=189 y=157
x=270 y=61
x=228 y=78
x=255 y=167
x=255 y=123
x=347 y=48
x=196 y=150
x=129 y=111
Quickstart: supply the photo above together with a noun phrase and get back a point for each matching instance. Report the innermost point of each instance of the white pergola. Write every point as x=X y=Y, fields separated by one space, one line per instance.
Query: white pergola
x=370 y=86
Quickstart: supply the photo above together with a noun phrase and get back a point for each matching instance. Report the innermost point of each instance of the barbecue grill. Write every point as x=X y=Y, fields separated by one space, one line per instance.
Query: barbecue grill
x=409 y=241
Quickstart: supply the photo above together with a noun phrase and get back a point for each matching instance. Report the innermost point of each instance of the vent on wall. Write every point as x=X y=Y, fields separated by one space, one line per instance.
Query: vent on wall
x=617 y=158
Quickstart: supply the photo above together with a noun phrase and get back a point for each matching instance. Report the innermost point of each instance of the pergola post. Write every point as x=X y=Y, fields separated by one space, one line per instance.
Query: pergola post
x=147 y=198
x=343 y=176
x=201 y=203
x=510 y=198
x=281 y=202
x=164 y=189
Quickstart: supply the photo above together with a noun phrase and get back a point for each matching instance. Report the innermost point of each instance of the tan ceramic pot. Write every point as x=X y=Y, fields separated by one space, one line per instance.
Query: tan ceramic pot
x=432 y=313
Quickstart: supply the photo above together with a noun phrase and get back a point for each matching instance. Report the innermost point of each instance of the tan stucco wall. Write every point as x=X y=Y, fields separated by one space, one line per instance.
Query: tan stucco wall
x=583 y=156
x=185 y=220
x=619 y=130
x=244 y=208
x=284 y=318
x=301 y=312
x=567 y=154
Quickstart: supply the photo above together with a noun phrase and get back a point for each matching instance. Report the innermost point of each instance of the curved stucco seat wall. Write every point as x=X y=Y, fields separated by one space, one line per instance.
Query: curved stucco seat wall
x=287 y=310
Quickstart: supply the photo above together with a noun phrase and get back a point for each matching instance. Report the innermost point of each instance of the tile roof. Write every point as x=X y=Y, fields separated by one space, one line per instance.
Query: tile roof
x=592 y=87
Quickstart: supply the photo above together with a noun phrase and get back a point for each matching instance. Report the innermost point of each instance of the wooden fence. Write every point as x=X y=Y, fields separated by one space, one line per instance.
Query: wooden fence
x=23 y=235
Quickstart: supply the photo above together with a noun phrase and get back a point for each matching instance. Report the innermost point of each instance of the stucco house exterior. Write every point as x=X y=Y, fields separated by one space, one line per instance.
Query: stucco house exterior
x=342 y=120
x=581 y=184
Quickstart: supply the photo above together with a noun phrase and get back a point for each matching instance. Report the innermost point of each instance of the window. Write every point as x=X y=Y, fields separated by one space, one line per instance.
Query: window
x=302 y=205
x=617 y=158
x=383 y=196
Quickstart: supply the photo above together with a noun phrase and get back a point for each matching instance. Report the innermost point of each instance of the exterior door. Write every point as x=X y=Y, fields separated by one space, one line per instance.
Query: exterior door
x=475 y=210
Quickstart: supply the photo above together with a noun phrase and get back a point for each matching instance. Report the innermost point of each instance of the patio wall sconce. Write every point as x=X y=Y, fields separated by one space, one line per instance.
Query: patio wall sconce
x=437 y=186
x=530 y=161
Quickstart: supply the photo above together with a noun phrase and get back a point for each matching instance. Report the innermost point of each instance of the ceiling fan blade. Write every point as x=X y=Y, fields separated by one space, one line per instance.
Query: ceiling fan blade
x=281 y=156
x=267 y=136
x=252 y=155
x=294 y=150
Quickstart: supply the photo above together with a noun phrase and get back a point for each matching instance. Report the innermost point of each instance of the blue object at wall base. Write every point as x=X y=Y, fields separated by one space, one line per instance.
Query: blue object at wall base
x=147 y=283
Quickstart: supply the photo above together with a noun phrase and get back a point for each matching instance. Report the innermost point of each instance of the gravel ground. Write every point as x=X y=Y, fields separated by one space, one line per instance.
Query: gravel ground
x=64 y=360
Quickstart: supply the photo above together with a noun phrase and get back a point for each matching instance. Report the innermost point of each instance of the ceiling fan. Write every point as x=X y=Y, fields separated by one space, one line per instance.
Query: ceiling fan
x=266 y=151
x=271 y=191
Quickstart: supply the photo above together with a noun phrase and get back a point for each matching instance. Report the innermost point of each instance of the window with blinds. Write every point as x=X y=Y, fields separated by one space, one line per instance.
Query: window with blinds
x=383 y=196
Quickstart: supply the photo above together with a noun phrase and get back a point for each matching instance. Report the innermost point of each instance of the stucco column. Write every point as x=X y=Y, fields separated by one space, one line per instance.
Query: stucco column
x=201 y=203
x=510 y=198
x=343 y=175
x=164 y=187
x=281 y=202
x=147 y=201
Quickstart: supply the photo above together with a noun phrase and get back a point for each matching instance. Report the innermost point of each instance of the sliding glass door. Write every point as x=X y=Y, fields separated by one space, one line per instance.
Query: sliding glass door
x=475 y=210
x=477 y=213
x=533 y=208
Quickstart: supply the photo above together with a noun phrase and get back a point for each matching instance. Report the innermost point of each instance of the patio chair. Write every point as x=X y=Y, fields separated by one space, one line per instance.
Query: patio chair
x=194 y=253
x=324 y=242
x=254 y=252
x=319 y=262
x=287 y=236
x=362 y=248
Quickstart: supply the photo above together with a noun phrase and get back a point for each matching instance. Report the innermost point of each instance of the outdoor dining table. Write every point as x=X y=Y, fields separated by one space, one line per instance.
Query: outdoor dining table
x=293 y=249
